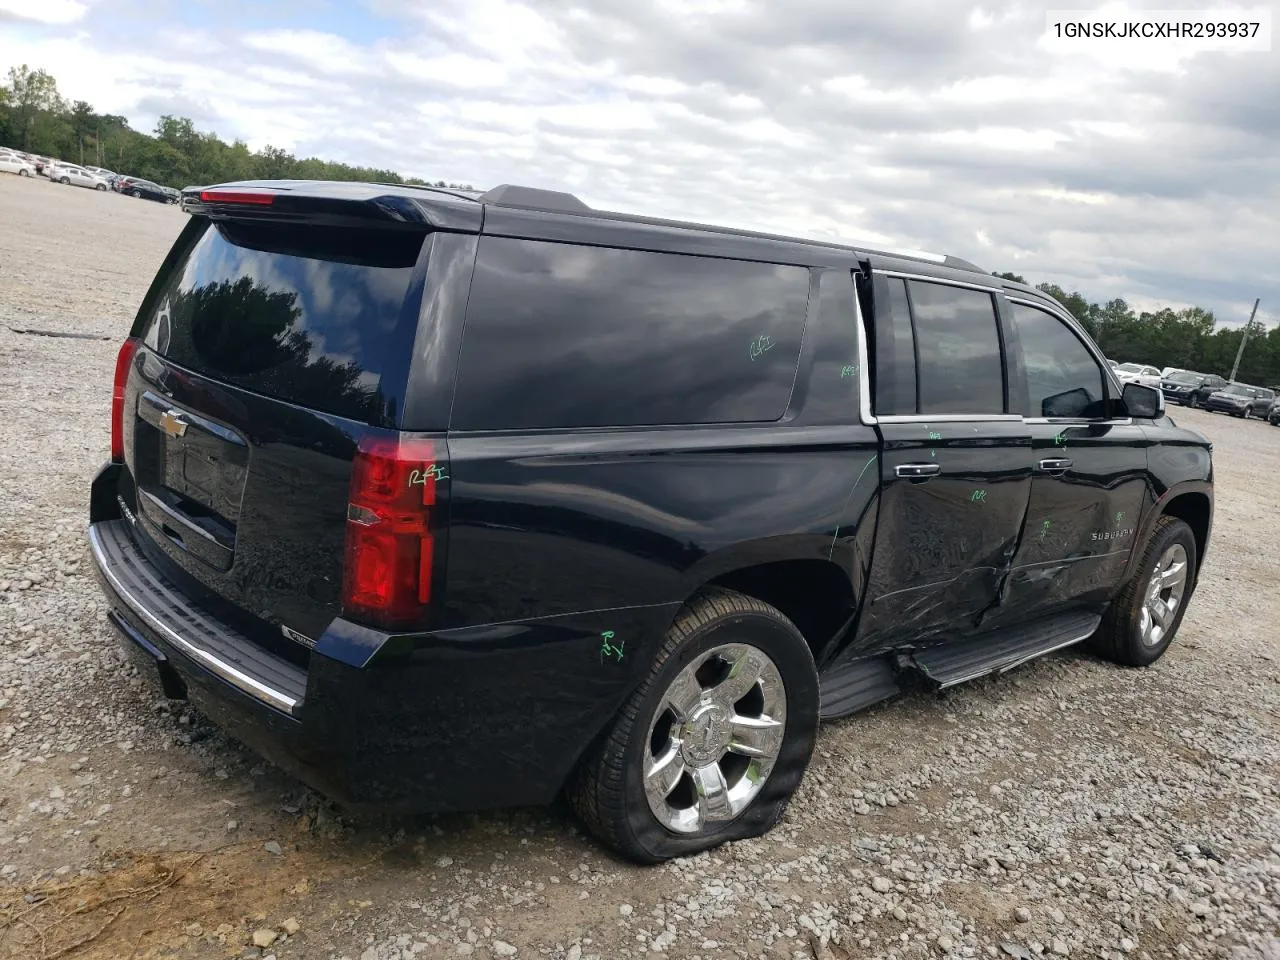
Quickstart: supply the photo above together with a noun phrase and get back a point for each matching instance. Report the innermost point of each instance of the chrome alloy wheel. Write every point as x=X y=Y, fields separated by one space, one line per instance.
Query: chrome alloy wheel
x=715 y=737
x=1164 y=595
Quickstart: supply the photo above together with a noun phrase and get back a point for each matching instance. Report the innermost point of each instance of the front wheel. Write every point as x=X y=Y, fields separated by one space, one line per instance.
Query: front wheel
x=65 y=181
x=1195 y=401
x=24 y=173
x=100 y=186
x=136 y=194
x=1145 y=616
x=713 y=743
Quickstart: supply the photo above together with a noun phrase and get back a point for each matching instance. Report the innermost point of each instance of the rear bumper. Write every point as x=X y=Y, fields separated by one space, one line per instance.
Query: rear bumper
x=460 y=719
x=1224 y=406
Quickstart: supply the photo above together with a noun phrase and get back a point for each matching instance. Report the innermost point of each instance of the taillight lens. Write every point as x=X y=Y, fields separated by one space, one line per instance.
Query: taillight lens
x=250 y=195
x=390 y=546
x=124 y=360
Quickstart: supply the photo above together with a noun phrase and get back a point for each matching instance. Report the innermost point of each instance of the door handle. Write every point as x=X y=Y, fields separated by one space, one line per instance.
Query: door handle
x=1055 y=465
x=917 y=471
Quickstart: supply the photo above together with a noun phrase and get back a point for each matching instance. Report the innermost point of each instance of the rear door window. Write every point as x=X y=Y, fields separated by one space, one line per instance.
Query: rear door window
x=957 y=340
x=560 y=335
x=312 y=315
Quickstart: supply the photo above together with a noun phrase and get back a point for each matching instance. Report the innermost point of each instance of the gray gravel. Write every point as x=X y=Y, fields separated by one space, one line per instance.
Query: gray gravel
x=1070 y=808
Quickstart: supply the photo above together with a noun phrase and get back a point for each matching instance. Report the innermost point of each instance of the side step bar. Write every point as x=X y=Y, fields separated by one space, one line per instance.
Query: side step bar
x=951 y=663
x=853 y=686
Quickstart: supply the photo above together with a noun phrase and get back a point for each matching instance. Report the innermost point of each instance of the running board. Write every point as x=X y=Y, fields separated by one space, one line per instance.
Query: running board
x=856 y=686
x=950 y=663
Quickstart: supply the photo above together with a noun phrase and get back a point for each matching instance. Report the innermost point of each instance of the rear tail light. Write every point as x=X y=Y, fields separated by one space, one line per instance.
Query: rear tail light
x=124 y=360
x=390 y=543
x=262 y=197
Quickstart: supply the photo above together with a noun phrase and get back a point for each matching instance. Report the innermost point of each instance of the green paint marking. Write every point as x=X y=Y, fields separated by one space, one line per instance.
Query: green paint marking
x=608 y=648
x=1119 y=516
x=934 y=435
x=1044 y=529
x=852 y=490
x=760 y=346
x=433 y=471
x=978 y=496
x=1061 y=439
x=848 y=370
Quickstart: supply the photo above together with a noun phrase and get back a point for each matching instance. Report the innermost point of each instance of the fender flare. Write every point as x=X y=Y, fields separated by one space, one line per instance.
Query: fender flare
x=1157 y=510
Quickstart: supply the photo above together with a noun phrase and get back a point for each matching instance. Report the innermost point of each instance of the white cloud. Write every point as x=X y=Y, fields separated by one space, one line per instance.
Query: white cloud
x=43 y=11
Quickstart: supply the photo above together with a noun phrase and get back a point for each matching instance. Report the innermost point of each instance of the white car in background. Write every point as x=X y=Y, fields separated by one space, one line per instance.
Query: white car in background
x=12 y=163
x=1142 y=373
x=77 y=176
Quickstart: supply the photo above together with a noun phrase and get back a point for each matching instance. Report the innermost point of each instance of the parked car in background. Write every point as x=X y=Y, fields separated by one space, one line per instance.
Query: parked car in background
x=1190 y=388
x=146 y=190
x=459 y=548
x=1240 y=400
x=1112 y=362
x=14 y=163
x=1168 y=370
x=173 y=195
x=100 y=171
x=42 y=164
x=1141 y=373
x=1273 y=415
x=69 y=173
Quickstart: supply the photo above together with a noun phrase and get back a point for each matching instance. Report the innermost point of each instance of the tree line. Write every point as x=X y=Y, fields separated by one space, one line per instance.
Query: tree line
x=36 y=118
x=1184 y=338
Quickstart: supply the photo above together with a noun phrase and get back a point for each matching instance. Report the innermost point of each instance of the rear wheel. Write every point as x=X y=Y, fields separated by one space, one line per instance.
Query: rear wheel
x=100 y=186
x=1146 y=615
x=24 y=173
x=1194 y=401
x=136 y=193
x=713 y=743
x=65 y=181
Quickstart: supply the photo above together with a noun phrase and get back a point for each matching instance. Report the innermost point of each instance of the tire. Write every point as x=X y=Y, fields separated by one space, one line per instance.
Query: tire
x=100 y=186
x=1195 y=401
x=136 y=194
x=1120 y=637
x=608 y=789
x=65 y=181
x=24 y=173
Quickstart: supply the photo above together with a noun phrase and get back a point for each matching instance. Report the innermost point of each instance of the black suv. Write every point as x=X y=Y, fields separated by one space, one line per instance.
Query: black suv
x=1189 y=388
x=445 y=501
x=1240 y=400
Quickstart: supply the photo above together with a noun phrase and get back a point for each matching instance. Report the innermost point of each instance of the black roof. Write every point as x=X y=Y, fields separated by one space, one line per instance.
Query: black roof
x=517 y=211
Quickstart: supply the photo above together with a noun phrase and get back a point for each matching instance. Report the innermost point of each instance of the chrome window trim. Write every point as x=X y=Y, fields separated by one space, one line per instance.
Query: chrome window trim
x=951 y=418
x=864 y=359
x=924 y=278
x=1081 y=421
x=242 y=681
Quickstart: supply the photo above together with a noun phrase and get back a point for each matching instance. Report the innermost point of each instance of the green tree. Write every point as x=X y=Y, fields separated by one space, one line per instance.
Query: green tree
x=29 y=94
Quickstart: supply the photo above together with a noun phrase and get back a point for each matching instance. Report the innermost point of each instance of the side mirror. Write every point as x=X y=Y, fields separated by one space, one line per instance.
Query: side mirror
x=1142 y=402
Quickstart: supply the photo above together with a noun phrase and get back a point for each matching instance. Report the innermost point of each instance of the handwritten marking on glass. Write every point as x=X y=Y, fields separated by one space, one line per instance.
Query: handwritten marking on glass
x=433 y=471
x=848 y=370
x=978 y=496
x=608 y=648
x=1044 y=529
x=761 y=345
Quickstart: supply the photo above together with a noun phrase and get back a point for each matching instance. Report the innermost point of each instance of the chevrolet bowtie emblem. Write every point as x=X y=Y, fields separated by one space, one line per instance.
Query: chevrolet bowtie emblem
x=171 y=422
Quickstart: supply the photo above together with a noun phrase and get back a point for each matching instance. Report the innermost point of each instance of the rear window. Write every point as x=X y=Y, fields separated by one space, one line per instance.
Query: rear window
x=312 y=315
x=559 y=335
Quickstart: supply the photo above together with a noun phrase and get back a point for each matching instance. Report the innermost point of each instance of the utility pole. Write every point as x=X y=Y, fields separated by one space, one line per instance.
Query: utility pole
x=1247 y=327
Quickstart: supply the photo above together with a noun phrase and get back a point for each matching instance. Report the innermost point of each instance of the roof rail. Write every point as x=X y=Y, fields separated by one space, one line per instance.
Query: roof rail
x=532 y=198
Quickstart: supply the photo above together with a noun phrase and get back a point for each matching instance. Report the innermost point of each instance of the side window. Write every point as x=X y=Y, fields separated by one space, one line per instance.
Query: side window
x=1063 y=379
x=559 y=335
x=895 y=353
x=959 y=364
x=834 y=374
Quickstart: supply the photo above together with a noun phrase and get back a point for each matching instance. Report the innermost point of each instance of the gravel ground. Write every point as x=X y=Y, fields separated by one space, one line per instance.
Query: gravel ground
x=1070 y=808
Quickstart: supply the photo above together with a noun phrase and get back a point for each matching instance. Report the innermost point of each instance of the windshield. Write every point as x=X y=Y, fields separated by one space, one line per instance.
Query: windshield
x=1239 y=391
x=1185 y=378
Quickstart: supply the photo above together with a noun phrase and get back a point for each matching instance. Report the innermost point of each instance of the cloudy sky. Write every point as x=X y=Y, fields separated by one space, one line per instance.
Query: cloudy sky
x=1139 y=169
